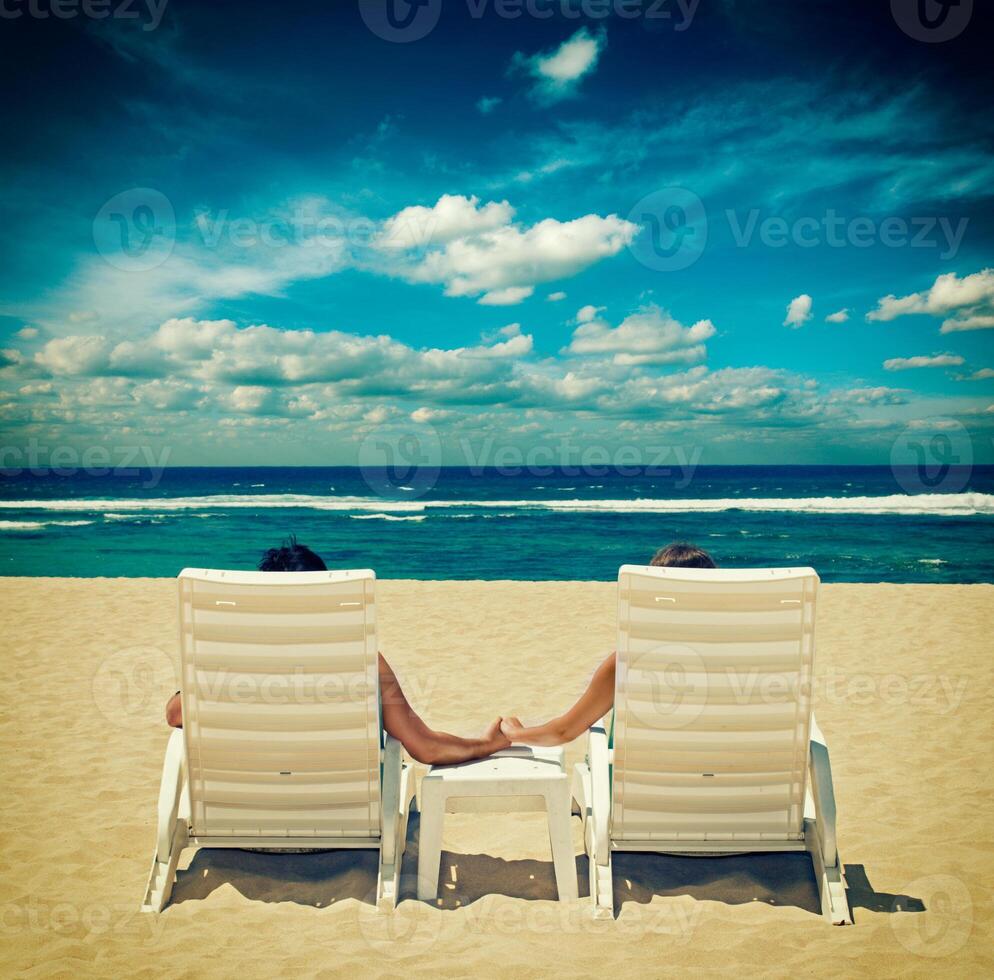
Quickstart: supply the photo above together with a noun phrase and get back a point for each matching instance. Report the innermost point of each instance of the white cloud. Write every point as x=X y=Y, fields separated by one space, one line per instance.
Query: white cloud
x=556 y=297
x=39 y=388
x=876 y=396
x=217 y=351
x=197 y=380
x=556 y=74
x=508 y=296
x=168 y=393
x=251 y=398
x=74 y=355
x=518 y=345
x=587 y=313
x=476 y=250
x=922 y=361
x=189 y=337
x=840 y=317
x=27 y=333
x=488 y=103
x=650 y=336
x=264 y=372
x=982 y=375
x=979 y=321
x=430 y=415
x=933 y=424
x=218 y=256
x=970 y=295
x=379 y=414
x=543 y=170
x=798 y=311
x=730 y=390
x=452 y=216
x=470 y=247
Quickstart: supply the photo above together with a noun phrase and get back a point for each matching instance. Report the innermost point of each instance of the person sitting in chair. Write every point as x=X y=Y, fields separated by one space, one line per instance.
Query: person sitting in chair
x=598 y=699
x=399 y=719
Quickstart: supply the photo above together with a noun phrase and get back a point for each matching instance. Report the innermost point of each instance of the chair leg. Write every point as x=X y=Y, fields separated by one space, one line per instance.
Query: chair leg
x=386 y=885
x=835 y=902
x=601 y=874
x=393 y=812
x=580 y=792
x=172 y=833
x=831 y=887
x=820 y=832
x=162 y=877
x=407 y=804
x=432 y=800
x=557 y=805
x=602 y=888
x=593 y=778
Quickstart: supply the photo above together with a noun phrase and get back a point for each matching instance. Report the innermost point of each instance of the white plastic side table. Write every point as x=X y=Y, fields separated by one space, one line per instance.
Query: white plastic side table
x=515 y=780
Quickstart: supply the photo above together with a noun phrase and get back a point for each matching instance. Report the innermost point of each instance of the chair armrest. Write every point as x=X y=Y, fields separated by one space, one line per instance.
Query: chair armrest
x=171 y=790
x=823 y=793
x=393 y=761
x=600 y=791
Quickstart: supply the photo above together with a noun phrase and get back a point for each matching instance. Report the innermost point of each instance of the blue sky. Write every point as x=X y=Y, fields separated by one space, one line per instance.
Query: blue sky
x=252 y=236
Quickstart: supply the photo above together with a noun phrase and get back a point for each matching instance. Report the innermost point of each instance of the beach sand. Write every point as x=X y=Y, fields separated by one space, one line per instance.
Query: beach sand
x=904 y=693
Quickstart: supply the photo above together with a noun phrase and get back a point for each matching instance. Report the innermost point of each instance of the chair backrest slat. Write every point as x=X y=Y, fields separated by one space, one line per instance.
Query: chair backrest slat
x=712 y=702
x=281 y=703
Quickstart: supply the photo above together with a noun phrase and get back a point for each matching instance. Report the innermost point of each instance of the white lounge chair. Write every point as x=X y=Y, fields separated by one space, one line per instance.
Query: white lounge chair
x=281 y=745
x=715 y=747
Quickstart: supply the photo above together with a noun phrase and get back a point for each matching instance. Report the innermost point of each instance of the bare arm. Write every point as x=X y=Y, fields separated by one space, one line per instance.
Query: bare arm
x=174 y=711
x=404 y=724
x=594 y=703
x=423 y=743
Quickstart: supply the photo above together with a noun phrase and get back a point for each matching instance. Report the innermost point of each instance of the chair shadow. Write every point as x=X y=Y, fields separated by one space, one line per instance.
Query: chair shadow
x=317 y=878
x=862 y=895
x=785 y=879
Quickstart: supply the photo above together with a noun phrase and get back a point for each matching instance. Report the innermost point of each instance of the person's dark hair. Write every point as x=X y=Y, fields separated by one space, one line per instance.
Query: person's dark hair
x=683 y=556
x=291 y=557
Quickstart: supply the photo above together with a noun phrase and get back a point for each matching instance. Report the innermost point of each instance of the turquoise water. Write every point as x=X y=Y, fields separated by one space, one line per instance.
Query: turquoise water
x=852 y=524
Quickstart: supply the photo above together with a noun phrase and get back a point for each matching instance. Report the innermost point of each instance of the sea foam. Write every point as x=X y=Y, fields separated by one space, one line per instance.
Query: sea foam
x=939 y=504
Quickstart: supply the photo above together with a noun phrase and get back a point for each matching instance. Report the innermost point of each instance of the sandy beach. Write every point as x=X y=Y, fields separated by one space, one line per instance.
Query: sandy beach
x=904 y=693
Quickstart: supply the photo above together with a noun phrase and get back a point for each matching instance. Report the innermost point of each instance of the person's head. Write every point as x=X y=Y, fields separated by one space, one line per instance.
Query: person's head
x=682 y=555
x=291 y=557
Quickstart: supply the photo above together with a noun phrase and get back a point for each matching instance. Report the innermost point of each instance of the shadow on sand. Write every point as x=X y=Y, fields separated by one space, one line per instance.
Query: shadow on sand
x=322 y=878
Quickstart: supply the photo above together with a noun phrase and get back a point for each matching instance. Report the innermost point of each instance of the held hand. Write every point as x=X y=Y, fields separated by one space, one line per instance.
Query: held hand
x=495 y=737
x=511 y=727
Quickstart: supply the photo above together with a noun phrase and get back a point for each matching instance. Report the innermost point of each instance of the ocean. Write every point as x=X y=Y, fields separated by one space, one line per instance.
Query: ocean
x=853 y=524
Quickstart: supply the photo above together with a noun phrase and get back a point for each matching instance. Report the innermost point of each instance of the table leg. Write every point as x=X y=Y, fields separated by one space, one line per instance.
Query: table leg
x=557 y=805
x=432 y=803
